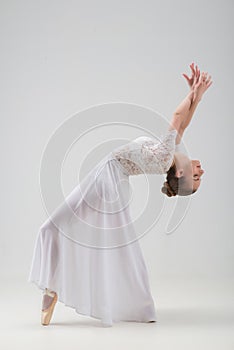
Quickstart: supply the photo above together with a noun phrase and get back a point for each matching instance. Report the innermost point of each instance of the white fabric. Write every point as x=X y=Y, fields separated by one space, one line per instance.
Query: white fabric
x=87 y=251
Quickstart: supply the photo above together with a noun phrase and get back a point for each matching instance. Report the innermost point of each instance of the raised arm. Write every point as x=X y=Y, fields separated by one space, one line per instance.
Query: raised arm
x=180 y=115
x=185 y=110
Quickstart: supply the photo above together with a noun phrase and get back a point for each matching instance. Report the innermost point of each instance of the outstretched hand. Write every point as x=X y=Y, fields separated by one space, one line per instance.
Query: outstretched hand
x=198 y=82
x=195 y=75
x=202 y=85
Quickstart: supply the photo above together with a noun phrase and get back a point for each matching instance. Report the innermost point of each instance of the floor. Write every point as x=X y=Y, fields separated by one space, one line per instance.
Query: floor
x=192 y=314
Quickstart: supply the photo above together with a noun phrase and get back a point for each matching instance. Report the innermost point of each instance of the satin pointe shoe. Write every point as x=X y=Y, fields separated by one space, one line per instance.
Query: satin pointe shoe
x=48 y=303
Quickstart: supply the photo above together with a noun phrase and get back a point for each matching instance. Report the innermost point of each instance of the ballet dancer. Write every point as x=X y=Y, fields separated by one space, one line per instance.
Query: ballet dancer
x=93 y=269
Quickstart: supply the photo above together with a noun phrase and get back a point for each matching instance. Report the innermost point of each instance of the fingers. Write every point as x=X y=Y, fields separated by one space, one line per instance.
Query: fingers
x=186 y=77
x=209 y=84
x=208 y=79
x=192 y=68
x=205 y=80
x=197 y=74
x=202 y=77
x=197 y=78
x=205 y=76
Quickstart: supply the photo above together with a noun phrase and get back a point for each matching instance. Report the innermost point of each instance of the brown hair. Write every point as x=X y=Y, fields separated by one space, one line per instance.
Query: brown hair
x=174 y=185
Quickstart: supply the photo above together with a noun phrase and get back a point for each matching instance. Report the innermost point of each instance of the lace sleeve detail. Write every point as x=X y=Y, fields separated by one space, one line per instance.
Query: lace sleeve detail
x=159 y=155
x=147 y=155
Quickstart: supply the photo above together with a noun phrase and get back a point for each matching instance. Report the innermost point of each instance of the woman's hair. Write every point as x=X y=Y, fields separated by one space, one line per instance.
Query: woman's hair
x=174 y=185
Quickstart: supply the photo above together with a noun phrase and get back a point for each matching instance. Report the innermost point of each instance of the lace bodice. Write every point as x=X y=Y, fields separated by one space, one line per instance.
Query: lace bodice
x=147 y=155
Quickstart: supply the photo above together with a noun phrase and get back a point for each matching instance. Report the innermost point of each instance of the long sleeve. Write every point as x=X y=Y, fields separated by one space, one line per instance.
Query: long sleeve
x=147 y=155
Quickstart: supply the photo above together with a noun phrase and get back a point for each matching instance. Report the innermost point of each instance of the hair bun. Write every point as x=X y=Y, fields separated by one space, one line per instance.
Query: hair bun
x=166 y=189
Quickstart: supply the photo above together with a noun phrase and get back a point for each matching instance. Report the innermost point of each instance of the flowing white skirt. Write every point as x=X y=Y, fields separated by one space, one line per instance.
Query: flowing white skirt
x=88 y=251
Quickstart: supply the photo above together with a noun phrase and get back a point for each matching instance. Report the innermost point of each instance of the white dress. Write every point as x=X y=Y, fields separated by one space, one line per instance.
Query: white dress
x=87 y=250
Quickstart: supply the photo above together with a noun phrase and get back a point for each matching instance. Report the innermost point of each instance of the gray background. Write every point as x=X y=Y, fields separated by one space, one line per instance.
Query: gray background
x=58 y=58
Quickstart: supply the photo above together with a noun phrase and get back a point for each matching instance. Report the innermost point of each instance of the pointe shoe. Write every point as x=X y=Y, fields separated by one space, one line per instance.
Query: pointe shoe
x=47 y=313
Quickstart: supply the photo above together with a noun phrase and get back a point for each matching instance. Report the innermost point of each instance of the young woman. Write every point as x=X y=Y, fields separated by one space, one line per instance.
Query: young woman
x=87 y=254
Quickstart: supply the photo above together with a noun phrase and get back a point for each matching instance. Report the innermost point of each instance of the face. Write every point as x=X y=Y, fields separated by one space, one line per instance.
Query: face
x=197 y=173
x=191 y=169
